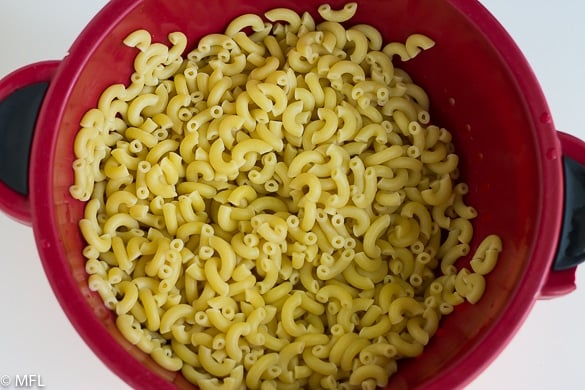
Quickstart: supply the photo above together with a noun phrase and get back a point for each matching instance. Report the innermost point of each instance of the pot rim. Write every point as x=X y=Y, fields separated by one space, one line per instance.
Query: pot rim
x=97 y=337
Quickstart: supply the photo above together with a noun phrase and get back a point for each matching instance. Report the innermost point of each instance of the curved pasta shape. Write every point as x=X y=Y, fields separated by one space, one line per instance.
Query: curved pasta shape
x=320 y=366
x=415 y=43
x=340 y=68
x=290 y=118
x=329 y=127
x=340 y=15
x=422 y=214
x=485 y=258
x=243 y=21
x=441 y=194
x=173 y=314
x=378 y=329
x=288 y=321
x=376 y=229
x=361 y=374
x=215 y=368
x=327 y=292
x=263 y=364
x=310 y=181
x=286 y=15
x=403 y=305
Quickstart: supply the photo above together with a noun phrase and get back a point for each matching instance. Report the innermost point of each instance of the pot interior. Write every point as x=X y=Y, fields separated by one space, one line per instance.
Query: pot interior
x=480 y=89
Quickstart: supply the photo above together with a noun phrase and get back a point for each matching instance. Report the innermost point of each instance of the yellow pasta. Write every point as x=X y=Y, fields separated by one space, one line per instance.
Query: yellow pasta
x=341 y=15
x=415 y=43
x=286 y=15
x=485 y=258
x=274 y=208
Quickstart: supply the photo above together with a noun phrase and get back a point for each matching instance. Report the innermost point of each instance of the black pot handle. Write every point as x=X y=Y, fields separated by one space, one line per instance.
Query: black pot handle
x=571 y=247
x=21 y=96
x=571 y=242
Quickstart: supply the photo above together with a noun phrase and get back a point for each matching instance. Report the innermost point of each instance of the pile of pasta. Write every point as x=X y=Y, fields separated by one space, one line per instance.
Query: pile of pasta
x=274 y=209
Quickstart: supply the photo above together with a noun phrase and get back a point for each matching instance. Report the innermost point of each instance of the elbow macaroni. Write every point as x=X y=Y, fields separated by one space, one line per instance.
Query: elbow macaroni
x=268 y=209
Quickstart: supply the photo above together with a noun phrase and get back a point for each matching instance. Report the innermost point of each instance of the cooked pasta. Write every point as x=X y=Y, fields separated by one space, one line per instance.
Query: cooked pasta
x=274 y=209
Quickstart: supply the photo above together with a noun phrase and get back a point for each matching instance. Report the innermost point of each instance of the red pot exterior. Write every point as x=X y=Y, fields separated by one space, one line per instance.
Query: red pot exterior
x=481 y=88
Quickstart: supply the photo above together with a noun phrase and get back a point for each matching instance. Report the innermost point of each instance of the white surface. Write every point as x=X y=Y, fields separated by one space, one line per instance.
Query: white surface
x=548 y=352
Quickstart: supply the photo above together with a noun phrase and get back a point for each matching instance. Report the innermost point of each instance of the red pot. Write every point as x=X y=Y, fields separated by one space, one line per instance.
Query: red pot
x=527 y=180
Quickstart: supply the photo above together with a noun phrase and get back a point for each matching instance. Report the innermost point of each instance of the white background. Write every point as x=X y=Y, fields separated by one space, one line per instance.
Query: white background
x=36 y=337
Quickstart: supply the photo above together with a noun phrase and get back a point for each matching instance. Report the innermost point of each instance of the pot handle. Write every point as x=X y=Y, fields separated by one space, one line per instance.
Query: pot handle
x=21 y=96
x=571 y=247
